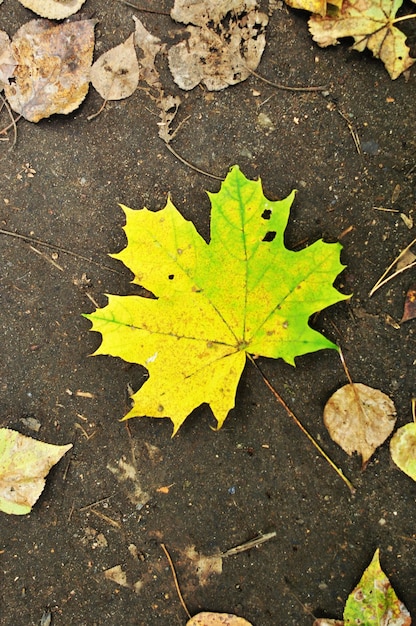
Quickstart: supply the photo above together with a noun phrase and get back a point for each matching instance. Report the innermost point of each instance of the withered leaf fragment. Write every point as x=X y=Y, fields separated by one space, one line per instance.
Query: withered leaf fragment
x=7 y=62
x=318 y=7
x=53 y=65
x=409 y=312
x=149 y=47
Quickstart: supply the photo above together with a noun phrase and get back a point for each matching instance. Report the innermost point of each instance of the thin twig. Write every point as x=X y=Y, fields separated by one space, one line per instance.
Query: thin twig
x=247 y=545
x=193 y=167
x=97 y=113
x=134 y=6
x=353 y=132
x=285 y=87
x=89 y=506
x=175 y=579
x=52 y=246
x=303 y=429
x=13 y=121
x=47 y=258
x=383 y=280
x=11 y=125
x=107 y=519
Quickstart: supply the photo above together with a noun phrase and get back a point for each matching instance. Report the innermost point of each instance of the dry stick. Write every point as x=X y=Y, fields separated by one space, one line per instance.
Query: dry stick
x=175 y=579
x=52 y=246
x=45 y=256
x=97 y=113
x=11 y=125
x=248 y=545
x=134 y=6
x=382 y=280
x=13 y=121
x=193 y=167
x=285 y=87
x=303 y=429
x=353 y=132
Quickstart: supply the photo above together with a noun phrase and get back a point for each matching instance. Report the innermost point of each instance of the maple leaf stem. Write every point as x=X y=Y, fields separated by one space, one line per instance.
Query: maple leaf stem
x=303 y=429
x=403 y=18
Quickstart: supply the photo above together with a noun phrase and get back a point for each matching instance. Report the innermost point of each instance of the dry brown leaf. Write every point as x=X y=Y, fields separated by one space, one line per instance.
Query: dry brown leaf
x=201 y=12
x=359 y=419
x=219 y=52
x=217 y=619
x=150 y=47
x=323 y=621
x=53 y=64
x=7 y=61
x=53 y=9
x=115 y=74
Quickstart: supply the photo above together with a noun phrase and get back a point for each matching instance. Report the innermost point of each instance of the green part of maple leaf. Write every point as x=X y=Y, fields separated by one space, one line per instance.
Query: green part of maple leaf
x=372 y=25
x=374 y=601
x=243 y=292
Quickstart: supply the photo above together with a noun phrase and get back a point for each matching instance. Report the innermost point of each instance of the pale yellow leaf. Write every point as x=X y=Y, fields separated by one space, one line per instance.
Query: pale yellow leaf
x=217 y=619
x=24 y=463
x=403 y=449
x=359 y=419
x=53 y=9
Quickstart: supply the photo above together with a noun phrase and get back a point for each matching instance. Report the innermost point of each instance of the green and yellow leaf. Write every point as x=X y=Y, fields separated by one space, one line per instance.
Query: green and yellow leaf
x=374 y=601
x=242 y=293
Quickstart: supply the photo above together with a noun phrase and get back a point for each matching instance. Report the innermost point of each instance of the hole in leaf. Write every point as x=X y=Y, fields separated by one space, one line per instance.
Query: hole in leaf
x=269 y=236
x=171 y=276
x=266 y=214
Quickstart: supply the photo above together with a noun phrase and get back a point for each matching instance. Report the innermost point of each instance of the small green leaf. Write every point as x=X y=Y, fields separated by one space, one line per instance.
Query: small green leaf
x=374 y=602
x=403 y=449
x=24 y=463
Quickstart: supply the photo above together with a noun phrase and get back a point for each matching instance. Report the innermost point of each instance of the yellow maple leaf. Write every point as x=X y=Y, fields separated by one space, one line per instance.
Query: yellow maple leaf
x=242 y=293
